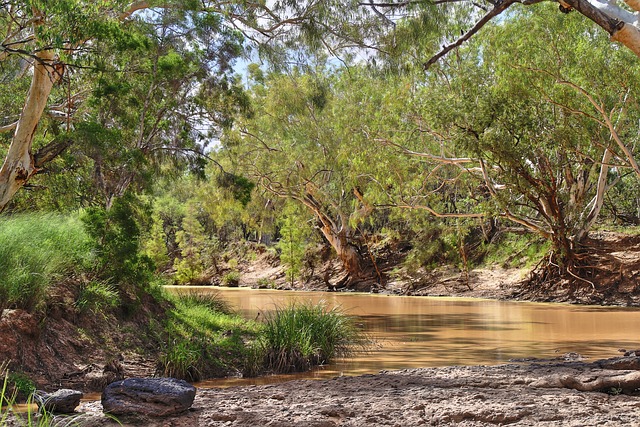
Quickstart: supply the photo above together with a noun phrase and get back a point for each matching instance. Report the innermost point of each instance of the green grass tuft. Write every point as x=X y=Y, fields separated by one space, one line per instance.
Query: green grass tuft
x=211 y=300
x=96 y=297
x=299 y=336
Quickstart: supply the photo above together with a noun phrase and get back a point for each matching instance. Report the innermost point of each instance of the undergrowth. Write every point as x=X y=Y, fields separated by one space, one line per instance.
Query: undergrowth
x=516 y=250
x=36 y=250
x=207 y=340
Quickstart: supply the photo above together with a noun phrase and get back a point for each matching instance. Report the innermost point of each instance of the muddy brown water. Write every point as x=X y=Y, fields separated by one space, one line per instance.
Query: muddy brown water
x=411 y=332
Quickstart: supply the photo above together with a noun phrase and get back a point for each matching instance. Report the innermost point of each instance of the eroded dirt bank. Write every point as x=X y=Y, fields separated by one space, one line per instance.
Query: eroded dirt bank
x=523 y=395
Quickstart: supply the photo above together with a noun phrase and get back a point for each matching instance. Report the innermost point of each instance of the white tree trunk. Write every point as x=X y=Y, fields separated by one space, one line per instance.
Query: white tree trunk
x=598 y=200
x=19 y=166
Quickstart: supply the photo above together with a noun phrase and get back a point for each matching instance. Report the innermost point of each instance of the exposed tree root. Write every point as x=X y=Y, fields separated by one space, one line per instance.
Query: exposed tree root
x=626 y=383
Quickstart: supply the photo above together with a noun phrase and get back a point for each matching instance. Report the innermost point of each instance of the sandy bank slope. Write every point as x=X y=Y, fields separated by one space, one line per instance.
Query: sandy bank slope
x=463 y=396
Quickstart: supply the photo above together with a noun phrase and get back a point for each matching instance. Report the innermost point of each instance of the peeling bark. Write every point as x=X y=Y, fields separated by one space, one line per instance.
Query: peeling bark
x=349 y=256
x=598 y=200
x=629 y=36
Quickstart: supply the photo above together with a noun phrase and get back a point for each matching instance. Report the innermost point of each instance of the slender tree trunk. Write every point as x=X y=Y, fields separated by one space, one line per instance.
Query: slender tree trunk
x=598 y=201
x=19 y=165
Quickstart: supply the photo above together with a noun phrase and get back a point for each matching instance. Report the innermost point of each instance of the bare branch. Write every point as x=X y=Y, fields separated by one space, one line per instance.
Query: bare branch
x=439 y=159
x=500 y=7
x=409 y=2
x=9 y=127
x=436 y=213
x=609 y=123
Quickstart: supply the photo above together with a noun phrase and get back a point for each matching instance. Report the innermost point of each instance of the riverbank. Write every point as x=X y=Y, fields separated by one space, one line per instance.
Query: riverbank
x=539 y=394
x=615 y=278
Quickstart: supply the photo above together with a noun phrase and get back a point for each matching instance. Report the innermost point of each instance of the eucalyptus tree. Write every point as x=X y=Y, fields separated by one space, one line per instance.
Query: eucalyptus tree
x=48 y=47
x=619 y=21
x=543 y=139
x=299 y=143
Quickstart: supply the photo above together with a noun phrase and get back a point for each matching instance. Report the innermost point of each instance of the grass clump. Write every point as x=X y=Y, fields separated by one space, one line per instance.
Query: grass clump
x=206 y=339
x=35 y=251
x=299 y=336
x=96 y=297
x=211 y=300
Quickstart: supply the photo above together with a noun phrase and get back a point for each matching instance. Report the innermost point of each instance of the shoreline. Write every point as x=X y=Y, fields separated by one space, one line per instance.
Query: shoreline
x=541 y=394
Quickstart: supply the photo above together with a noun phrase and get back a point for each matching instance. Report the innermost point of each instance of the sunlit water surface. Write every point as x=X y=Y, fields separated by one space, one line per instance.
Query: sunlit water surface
x=411 y=332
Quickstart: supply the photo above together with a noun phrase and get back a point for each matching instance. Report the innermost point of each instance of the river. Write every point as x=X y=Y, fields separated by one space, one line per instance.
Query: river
x=412 y=332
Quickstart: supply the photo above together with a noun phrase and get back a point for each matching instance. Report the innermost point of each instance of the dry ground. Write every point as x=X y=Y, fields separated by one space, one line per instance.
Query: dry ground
x=519 y=395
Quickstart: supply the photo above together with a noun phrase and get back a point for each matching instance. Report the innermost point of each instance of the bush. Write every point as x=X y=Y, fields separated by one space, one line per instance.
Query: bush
x=231 y=279
x=299 y=336
x=116 y=239
x=35 y=251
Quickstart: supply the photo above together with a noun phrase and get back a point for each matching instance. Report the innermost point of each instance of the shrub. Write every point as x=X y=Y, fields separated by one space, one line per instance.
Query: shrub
x=266 y=283
x=116 y=239
x=181 y=360
x=205 y=341
x=299 y=336
x=231 y=279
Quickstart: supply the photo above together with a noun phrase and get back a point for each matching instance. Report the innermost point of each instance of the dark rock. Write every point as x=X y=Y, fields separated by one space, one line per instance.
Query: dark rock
x=155 y=397
x=63 y=401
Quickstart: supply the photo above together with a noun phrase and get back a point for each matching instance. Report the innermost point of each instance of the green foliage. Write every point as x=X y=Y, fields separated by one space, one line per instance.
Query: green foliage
x=97 y=297
x=116 y=238
x=231 y=279
x=181 y=360
x=205 y=342
x=194 y=246
x=21 y=383
x=264 y=283
x=297 y=337
x=511 y=250
x=213 y=301
x=36 y=250
x=239 y=186
x=294 y=235
x=155 y=246
x=433 y=243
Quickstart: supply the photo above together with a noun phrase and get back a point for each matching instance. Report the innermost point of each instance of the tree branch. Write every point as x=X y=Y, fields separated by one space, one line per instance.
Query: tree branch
x=9 y=127
x=51 y=151
x=500 y=7
x=439 y=159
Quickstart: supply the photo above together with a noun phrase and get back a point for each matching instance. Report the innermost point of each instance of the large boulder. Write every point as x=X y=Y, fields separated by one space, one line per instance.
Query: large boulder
x=63 y=401
x=155 y=397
